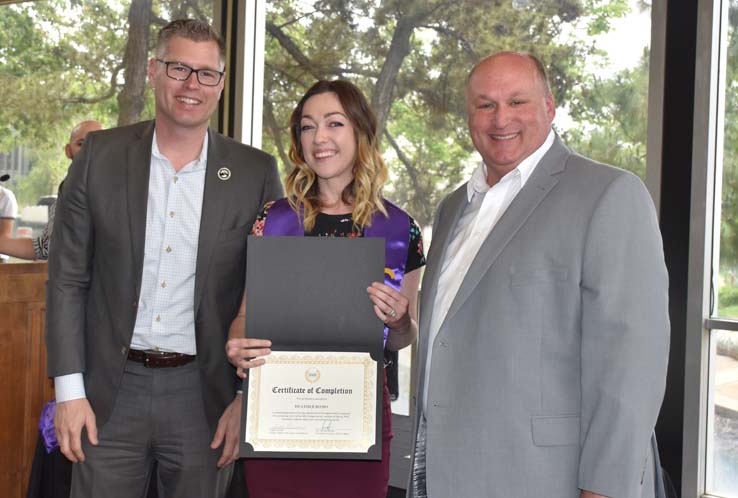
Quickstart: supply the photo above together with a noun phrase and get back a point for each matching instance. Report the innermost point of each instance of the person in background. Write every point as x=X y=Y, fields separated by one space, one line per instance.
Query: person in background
x=38 y=247
x=544 y=325
x=51 y=471
x=8 y=214
x=335 y=190
x=145 y=276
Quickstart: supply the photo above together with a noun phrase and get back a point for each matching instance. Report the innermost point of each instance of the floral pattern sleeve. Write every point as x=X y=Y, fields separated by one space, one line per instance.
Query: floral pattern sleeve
x=415 y=256
x=258 y=228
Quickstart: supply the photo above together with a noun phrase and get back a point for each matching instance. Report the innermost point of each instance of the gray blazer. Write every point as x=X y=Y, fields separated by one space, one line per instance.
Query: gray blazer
x=96 y=263
x=548 y=372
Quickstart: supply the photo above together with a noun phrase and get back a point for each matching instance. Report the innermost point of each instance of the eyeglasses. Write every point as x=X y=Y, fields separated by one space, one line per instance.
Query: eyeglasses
x=180 y=72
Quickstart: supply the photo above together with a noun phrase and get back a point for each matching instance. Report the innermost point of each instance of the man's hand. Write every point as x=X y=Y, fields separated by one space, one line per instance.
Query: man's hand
x=589 y=494
x=70 y=417
x=227 y=431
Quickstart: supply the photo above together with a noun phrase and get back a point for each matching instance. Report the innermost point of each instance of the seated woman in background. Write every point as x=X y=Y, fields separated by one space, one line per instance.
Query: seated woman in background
x=336 y=185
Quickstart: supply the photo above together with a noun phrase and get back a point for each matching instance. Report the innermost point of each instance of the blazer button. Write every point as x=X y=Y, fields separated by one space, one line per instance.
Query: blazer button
x=135 y=304
x=123 y=351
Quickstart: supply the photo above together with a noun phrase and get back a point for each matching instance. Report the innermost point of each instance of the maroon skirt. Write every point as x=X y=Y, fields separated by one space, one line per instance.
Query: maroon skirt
x=279 y=478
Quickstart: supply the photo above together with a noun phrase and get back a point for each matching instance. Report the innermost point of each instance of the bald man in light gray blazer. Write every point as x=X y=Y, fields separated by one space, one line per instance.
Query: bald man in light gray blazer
x=543 y=327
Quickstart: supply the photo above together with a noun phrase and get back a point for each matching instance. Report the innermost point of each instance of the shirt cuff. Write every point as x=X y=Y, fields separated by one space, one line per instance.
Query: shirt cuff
x=69 y=387
x=38 y=249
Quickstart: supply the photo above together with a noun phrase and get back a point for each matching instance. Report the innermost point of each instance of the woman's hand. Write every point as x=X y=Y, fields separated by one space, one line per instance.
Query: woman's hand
x=391 y=306
x=245 y=353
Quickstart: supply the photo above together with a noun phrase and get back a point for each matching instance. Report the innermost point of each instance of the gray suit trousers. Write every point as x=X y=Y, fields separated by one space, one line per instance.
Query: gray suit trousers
x=158 y=416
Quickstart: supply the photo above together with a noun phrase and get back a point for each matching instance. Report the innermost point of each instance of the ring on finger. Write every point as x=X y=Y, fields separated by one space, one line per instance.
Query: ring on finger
x=392 y=313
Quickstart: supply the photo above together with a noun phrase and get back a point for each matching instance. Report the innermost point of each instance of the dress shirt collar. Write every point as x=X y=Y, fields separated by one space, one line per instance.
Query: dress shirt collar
x=478 y=182
x=196 y=165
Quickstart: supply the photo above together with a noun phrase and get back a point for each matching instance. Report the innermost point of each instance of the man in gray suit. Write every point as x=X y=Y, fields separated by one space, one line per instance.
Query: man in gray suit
x=146 y=275
x=544 y=327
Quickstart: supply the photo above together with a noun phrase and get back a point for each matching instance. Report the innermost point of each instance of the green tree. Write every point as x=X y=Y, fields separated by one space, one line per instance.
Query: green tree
x=729 y=207
x=62 y=61
x=411 y=58
x=612 y=118
x=66 y=60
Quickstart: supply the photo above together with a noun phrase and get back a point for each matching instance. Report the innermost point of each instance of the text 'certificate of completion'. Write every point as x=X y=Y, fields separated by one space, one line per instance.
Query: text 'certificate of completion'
x=313 y=402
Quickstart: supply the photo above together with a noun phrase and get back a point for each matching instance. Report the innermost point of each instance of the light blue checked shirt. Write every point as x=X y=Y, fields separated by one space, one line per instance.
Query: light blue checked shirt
x=165 y=320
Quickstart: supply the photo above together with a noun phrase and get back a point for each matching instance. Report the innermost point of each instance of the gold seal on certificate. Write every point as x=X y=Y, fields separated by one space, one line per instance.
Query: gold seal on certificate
x=312 y=402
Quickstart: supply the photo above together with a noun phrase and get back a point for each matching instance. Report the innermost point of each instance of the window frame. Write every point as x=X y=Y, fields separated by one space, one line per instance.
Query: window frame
x=706 y=183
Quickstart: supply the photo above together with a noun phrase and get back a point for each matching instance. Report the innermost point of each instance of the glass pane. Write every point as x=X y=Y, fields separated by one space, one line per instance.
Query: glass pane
x=413 y=65
x=722 y=458
x=62 y=62
x=726 y=250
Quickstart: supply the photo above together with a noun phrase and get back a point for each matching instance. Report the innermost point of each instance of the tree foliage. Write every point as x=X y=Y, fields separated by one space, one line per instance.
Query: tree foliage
x=68 y=60
x=63 y=61
x=612 y=118
x=411 y=59
x=729 y=208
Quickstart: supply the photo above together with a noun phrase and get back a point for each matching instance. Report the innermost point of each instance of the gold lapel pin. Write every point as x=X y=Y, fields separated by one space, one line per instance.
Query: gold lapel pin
x=224 y=174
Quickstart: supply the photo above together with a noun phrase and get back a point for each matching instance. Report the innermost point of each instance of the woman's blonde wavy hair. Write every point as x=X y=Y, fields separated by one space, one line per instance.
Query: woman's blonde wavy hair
x=364 y=193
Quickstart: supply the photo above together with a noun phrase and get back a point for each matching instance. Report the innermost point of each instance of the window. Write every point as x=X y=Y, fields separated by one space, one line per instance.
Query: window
x=413 y=65
x=411 y=60
x=721 y=469
x=710 y=453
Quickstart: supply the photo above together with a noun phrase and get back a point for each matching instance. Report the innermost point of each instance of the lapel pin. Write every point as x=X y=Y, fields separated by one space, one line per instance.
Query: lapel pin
x=224 y=174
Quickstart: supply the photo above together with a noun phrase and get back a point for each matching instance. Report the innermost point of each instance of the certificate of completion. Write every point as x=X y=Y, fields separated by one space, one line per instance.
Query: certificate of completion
x=319 y=395
x=312 y=402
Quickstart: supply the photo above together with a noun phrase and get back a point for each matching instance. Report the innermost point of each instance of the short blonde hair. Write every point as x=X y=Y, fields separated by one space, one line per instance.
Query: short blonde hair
x=191 y=29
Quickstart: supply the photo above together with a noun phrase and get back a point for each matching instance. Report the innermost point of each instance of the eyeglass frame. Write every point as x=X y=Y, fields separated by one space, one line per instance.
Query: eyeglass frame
x=192 y=70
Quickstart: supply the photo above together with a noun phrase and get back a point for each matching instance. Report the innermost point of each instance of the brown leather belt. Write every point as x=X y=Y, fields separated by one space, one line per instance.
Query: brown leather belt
x=159 y=359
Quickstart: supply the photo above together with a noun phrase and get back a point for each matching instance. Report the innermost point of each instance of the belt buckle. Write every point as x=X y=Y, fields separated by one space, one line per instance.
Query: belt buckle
x=149 y=356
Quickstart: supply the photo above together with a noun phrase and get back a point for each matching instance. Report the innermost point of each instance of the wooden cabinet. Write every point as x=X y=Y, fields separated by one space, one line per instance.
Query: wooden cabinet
x=24 y=387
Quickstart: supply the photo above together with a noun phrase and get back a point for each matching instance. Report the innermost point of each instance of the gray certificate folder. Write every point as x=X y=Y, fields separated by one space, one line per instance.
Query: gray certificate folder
x=309 y=294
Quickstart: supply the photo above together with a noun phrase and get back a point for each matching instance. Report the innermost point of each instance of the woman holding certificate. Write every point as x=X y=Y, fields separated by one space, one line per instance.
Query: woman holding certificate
x=334 y=190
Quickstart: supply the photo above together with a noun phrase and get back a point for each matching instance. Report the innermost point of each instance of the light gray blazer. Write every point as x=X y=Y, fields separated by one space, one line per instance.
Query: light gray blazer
x=96 y=263
x=549 y=370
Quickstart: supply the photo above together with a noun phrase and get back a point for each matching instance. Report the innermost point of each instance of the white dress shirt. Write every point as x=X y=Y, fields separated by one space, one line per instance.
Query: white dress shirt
x=8 y=204
x=485 y=207
x=165 y=317
x=8 y=208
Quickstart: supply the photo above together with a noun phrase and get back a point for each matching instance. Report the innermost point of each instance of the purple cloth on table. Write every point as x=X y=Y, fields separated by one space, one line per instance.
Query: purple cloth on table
x=46 y=426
